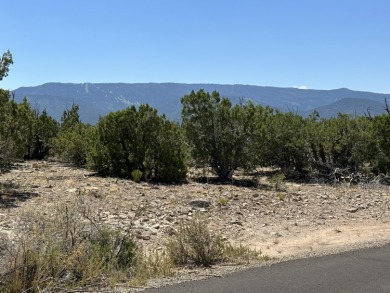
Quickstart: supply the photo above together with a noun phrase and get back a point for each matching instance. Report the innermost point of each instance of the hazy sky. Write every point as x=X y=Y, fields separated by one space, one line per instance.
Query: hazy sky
x=318 y=44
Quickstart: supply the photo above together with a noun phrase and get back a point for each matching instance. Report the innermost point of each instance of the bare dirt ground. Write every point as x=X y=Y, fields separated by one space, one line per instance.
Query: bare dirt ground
x=303 y=220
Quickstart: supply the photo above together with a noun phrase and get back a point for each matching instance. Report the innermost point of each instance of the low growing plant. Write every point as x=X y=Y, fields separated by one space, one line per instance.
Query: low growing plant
x=136 y=175
x=223 y=201
x=194 y=244
x=151 y=265
x=277 y=181
x=65 y=249
x=243 y=254
x=281 y=196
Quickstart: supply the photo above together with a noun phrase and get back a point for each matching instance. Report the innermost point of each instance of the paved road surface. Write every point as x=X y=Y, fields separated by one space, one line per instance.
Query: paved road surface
x=365 y=271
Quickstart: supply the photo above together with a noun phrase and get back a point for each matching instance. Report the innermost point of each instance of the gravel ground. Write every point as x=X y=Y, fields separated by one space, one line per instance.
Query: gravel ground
x=302 y=220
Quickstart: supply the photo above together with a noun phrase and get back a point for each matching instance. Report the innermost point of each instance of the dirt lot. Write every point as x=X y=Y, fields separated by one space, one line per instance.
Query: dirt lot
x=303 y=220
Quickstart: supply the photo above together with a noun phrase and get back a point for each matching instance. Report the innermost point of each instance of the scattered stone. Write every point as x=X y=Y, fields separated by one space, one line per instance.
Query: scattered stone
x=151 y=213
x=138 y=234
x=145 y=235
x=122 y=216
x=155 y=204
x=170 y=231
x=131 y=215
x=352 y=210
x=137 y=224
x=127 y=223
x=297 y=198
x=152 y=231
x=322 y=196
x=236 y=222
x=112 y=217
x=185 y=210
x=200 y=203
x=91 y=188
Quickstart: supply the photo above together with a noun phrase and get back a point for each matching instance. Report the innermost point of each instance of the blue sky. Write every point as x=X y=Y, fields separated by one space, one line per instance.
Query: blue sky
x=322 y=44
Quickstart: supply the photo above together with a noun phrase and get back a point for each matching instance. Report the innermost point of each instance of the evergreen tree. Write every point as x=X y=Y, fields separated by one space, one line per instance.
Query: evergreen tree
x=71 y=144
x=285 y=142
x=131 y=139
x=45 y=129
x=5 y=62
x=380 y=149
x=220 y=135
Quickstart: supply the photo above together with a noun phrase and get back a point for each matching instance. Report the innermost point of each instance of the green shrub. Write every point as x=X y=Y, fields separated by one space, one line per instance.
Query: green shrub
x=277 y=181
x=285 y=143
x=137 y=175
x=223 y=201
x=221 y=135
x=141 y=140
x=380 y=149
x=71 y=144
x=24 y=132
x=73 y=141
x=45 y=128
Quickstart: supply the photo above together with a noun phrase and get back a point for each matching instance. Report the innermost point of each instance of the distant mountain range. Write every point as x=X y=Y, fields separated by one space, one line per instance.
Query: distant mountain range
x=98 y=99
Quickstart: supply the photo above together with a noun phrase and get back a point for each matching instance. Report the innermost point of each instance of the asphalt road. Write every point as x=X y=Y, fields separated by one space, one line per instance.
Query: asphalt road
x=365 y=271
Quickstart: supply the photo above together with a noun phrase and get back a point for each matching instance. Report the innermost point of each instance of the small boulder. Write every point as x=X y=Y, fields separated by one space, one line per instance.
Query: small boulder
x=200 y=203
x=145 y=235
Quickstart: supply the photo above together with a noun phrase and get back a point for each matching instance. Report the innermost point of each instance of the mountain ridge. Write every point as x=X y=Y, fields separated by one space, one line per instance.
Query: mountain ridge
x=98 y=99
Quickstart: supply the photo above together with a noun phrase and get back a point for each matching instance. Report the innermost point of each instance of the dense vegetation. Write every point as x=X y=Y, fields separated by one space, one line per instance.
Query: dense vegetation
x=139 y=143
x=214 y=133
x=220 y=135
x=131 y=140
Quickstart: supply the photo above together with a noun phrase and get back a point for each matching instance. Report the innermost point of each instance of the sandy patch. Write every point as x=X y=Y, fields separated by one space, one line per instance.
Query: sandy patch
x=317 y=241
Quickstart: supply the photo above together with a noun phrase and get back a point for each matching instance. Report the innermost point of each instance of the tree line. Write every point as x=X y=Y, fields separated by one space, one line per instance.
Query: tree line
x=213 y=133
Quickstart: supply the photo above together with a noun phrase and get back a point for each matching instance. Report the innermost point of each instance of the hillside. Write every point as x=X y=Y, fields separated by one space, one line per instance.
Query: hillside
x=351 y=106
x=97 y=99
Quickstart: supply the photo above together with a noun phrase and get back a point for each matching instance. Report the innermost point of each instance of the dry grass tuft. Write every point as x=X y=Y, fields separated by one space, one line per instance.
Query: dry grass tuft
x=65 y=249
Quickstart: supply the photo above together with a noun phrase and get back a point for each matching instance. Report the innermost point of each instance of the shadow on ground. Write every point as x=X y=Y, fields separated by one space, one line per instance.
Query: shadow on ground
x=10 y=196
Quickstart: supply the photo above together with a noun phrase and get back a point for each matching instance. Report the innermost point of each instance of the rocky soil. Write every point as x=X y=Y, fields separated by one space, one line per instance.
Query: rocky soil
x=302 y=220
